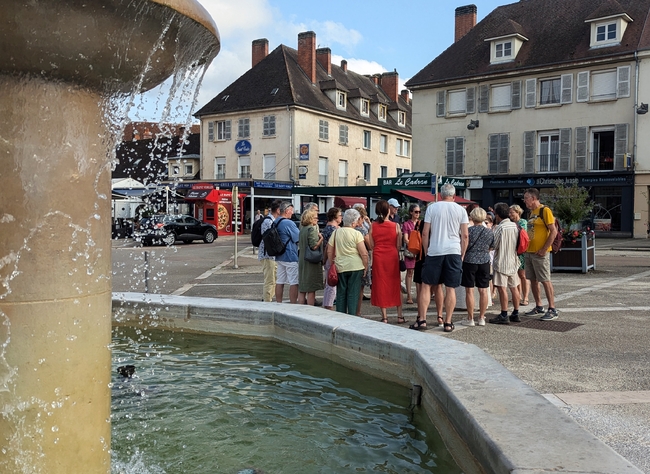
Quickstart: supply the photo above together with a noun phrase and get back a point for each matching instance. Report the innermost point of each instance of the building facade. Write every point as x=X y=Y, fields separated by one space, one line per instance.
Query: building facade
x=525 y=98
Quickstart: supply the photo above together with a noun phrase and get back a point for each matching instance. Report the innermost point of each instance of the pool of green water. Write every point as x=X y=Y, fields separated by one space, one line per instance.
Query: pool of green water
x=212 y=404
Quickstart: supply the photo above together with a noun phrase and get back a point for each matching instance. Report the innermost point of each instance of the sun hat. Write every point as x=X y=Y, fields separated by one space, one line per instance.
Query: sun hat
x=393 y=202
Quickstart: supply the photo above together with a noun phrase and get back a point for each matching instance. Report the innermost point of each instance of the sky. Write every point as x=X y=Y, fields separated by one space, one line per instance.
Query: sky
x=372 y=36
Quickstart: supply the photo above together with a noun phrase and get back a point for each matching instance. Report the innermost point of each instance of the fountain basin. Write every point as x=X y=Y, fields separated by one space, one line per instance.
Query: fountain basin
x=490 y=420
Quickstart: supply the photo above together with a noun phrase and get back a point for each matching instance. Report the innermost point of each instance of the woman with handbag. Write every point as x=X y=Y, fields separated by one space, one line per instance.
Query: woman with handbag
x=409 y=257
x=334 y=216
x=347 y=250
x=310 y=258
x=385 y=243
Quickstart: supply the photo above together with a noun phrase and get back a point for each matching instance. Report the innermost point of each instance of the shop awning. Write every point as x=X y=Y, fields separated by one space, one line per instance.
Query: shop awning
x=348 y=201
x=202 y=195
x=426 y=196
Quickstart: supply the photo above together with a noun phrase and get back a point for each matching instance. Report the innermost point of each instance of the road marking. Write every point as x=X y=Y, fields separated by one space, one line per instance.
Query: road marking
x=607 y=284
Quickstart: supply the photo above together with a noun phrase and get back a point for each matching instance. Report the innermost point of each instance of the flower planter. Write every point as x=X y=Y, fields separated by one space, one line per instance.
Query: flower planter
x=577 y=257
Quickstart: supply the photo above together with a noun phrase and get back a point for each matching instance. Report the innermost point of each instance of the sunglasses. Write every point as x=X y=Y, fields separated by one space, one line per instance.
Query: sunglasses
x=416 y=212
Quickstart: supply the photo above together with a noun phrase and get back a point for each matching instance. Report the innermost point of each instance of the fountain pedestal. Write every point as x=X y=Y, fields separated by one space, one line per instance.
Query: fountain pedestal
x=60 y=61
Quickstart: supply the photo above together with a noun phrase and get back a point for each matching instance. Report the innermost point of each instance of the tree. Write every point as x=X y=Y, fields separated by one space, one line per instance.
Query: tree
x=570 y=204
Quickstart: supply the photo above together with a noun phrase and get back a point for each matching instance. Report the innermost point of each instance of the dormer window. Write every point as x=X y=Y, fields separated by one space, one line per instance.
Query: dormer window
x=608 y=31
x=382 y=112
x=401 y=119
x=505 y=48
x=341 y=100
x=365 y=107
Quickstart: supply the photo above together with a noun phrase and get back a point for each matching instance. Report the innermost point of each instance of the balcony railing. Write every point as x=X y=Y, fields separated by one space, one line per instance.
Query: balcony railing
x=601 y=161
x=548 y=163
x=269 y=175
x=244 y=175
x=220 y=176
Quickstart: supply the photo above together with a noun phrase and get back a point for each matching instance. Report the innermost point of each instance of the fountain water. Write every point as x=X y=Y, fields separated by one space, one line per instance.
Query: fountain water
x=63 y=64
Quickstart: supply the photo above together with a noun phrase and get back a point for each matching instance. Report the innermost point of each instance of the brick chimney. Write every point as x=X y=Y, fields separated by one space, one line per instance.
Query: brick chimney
x=465 y=21
x=344 y=65
x=389 y=82
x=405 y=95
x=260 y=50
x=307 y=54
x=324 y=58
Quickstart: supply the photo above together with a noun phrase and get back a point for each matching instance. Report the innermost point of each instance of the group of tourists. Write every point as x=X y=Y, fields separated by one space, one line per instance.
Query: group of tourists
x=469 y=248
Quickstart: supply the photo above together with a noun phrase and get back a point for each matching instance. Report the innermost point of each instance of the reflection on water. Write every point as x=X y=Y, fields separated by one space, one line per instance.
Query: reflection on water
x=209 y=404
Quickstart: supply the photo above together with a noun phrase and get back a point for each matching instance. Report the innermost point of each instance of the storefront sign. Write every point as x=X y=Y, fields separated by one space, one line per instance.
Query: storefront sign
x=243 y=147
x=272 y=185
x=551 y=181
x=304 y=152
x=455 y=182
x=408 y=182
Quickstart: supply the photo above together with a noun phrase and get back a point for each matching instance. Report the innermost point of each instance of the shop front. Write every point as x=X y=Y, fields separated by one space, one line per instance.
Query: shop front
x=612 y=193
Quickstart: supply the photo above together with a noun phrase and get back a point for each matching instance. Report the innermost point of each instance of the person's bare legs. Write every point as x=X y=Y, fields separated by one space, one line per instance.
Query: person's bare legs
x=450 y=303
x=311 y=298
x=408 y=282
x=482 y=302
x=550 y=293
x=384 y=316
x=279 y=292
x=534 y=286
x=400 y=316
x=516 y=299
x=503 y=297
x=424 y=300
x=302 y=297
x=439 y=298
x=523 y=286
x=293 y=294
x=358 y=313
x=469 y=302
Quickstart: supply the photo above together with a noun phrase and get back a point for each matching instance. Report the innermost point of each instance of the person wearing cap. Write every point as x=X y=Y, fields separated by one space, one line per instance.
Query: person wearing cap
x=393 y=207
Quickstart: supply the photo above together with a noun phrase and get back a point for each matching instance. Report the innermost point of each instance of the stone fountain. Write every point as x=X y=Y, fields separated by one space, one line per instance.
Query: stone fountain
x=61 y=64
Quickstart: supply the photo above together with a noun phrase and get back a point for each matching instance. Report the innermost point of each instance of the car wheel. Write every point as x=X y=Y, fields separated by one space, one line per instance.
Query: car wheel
x=209 y=237
x=169 y=239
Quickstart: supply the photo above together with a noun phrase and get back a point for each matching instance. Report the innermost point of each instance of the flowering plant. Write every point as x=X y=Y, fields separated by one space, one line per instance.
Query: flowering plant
x=573 y=236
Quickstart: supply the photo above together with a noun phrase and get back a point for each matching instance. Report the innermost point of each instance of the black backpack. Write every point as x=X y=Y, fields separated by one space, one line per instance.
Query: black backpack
x=256 y=232
x=273 y=245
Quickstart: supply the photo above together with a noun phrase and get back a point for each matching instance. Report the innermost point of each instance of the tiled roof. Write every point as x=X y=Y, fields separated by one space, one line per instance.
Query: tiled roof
x=280 y=70
x=556 y=31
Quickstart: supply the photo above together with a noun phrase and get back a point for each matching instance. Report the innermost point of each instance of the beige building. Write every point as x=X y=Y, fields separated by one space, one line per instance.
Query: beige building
x=526 y=99
x=296 y=118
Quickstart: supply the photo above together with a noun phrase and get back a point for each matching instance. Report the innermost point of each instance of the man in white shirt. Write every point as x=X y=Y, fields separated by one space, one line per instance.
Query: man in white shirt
x=506 y=264
x=444 y=235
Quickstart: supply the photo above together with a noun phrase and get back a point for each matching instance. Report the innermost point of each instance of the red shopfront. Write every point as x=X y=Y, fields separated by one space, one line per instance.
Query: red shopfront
x=215 y=206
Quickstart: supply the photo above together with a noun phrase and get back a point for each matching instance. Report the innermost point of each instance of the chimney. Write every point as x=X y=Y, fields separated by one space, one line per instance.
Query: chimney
x=405 y=95
x=389 y=82
x=344 y=65
x=465 y=21
x=375 y=79
x=307 y=54
x=324 y=58
x=260 y=50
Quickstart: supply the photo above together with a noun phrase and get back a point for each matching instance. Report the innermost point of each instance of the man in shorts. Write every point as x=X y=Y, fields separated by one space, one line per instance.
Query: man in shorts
x=444 y=235
x=269 y=267
x=288 y=261
x=506 y=264
x=542 y=232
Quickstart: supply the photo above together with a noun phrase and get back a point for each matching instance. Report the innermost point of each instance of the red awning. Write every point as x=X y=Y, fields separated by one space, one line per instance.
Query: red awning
x=426 y=196
x=345 y=202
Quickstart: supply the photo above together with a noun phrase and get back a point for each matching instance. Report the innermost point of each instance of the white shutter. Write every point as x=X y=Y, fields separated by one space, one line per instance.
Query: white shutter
x=567 y=89
x=529 y=152
x=504 y=153
x=440 y=104
x=210 y=131
x=471 y=100
x=581 y=149
x=493 y=154
x=531 y=93
x=620 y=145
x=449 y=158
x=582 y=87
x=565 y=149
x=515 y=100
x=622 y=81
x=458 y=158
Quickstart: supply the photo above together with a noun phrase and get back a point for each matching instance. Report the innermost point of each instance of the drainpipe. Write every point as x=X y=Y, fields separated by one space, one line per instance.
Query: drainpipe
x=290 y=143
x=636 y=103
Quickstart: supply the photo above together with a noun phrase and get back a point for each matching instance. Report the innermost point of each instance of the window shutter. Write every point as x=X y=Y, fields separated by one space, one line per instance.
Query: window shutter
x=622 y=82
x=493 y=155
x=210 y=131
x=531 y=93
x=227 y=129
x=581 y=149
x=440 y=104
x=459 y=152
x=484 y=98
x=567 y=89
x=504 y=151
x=451 y=146
x=515 y=100
x=471 y=100
x=620 y=146
x=565 y=149
x=529 y=152
x=583 y=87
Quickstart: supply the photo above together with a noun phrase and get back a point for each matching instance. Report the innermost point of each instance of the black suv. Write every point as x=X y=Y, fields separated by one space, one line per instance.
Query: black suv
x=167 y=229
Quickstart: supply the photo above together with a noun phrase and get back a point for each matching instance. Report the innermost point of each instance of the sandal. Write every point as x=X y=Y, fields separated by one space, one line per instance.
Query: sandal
x=385 y=320
x=441 y=321
x=448 y=327
x=409 y=302
x=525 y=303
x=401 y=320
x=419 y=325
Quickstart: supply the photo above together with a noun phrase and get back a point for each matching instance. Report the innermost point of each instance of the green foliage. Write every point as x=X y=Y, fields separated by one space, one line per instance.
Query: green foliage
x=570 y=204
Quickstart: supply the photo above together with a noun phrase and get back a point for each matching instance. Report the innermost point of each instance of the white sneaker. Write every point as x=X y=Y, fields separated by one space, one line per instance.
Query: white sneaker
x=468 y=322
x=481 y=321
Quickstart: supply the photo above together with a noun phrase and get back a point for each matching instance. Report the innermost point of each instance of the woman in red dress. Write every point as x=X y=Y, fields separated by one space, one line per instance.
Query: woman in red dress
x=385 y=242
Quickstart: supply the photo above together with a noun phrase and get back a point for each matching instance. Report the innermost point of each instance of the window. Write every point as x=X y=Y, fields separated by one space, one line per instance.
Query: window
x=398 y=171
x=401 y=119
x=383 y=143
x=189 y=170
x=606 y=84
x=602 y=154
x=343 y=134
x=549 y=91
x=245 y=167
x=603 y=85
x=343 y=173
x=605 y=32
x=323 y=130
x=269 y=166
x=457 y=102
x=503 y=50
x=322 y=171
x=398 y=146
x=220 y=167
x=366 y=172
x=498 y=153
x=382 y=112
x=244 y=128
x=366 y=139
x=341 y=100
x=549 y=152
x=223 y=130
x=365 y=107
x=269 y=125
x=501 y=96
x=383 y=171
x=402 y=147
x=454 y=156
x=406 y=150
x=176 y=170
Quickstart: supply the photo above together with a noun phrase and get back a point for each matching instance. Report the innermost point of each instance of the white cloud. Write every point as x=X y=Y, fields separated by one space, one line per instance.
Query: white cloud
x=360 y=66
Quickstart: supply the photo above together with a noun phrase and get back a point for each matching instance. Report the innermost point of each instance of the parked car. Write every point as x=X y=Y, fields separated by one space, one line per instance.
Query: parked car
x=167 y=229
